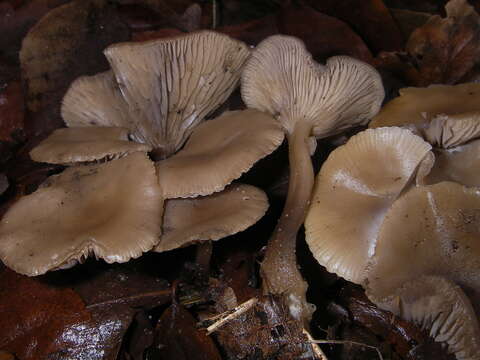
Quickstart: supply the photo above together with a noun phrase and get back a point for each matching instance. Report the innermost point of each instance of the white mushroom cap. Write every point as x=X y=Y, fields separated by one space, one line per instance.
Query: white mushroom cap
x=162 y=88
x=441 y=307
x=281 y=78
x=111 y=210
x=211 y=217
x=85 y=144
x=218 y=152
x=356 y=186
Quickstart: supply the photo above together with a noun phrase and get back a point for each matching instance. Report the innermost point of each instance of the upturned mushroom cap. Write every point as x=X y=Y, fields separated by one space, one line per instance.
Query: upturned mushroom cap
x=420 y=105
x=354 y=190
x=441 y=307
x=436 y=229
x=211 y=217
x=85 y=144
x=111 y=210
x=448 y=131
x=178 y=83
x=218 y=152
x=281 y=78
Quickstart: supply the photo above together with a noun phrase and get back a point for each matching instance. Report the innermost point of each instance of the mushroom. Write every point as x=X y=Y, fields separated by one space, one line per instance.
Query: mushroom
x=449 y=118
x=419 y=105
x=376 y=182
x=111 y=211
x=192 y=75
x=85 y=144
x=308 y=100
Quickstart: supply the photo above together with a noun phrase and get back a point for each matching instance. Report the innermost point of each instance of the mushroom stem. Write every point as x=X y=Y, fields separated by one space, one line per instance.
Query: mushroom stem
x=279 y=268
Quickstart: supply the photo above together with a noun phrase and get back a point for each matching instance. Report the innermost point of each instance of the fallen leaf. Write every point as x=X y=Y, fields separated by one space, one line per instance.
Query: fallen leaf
x=369 y=18
x=446 y=49
x=37 y=320
x=177 y=337
x=66 y=43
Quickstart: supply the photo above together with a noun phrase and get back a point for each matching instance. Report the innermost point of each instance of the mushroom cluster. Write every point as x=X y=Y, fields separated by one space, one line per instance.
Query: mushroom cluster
x=309 y=101
x=374 y=220
x=109 y=202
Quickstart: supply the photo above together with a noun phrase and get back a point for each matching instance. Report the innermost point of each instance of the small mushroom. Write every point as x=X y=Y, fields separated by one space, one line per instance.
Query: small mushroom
x=308 y=100
x=180 y=81
x=212 y=217
x=85 y=144
x=376 y=181
x=110 y=210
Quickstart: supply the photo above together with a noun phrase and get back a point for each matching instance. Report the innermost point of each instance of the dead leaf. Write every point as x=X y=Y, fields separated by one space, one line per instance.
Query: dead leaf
x=37 y=320
x=11 y=110
x=446 y=49
x=177 y=337
x=369 y=18
x=66 y=43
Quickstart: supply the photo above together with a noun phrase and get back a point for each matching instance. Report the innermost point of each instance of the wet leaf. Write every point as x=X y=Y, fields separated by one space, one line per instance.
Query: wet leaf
x=66 y=43
x=37 y=320
x=177 y=337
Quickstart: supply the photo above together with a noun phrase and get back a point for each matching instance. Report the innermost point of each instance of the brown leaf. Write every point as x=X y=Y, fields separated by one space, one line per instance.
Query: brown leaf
x=369 y=18
x=37 y=320
x=17 y=18
x=66 y=43
x=11 y=110
x=178 y=338
x=446 y=49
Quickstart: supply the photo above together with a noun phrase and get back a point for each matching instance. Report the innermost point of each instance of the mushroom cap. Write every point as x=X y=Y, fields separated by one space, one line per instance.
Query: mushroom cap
x=440 y=306
x=420 y=105
x=84 y=144
x=448 y=131
x=162 y=88
x=435 y=229
x=281 y=78
x=211 y=217
x=112 y=210
x=218 y=152
x=459 y=164
x=356 y=186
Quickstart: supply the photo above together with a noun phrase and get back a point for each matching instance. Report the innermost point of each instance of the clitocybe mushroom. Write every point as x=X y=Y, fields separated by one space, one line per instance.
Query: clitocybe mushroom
x=374 y=181
x=448 y=117
x=111 y=211
x=308 y=100
x=192 y=75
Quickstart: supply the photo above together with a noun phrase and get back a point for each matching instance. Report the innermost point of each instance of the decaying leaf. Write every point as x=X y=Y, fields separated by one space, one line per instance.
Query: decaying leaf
x=66 y=43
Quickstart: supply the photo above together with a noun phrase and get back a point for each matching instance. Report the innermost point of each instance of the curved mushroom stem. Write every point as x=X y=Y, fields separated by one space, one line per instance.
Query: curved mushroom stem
x=279 y=268
x=203 y=255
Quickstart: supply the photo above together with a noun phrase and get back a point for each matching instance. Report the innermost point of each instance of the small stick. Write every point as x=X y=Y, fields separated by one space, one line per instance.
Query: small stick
x=343 y=342
x=232 y=314
x=315 y=348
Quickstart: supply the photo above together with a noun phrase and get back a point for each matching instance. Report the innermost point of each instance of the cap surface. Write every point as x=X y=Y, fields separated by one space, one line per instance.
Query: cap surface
x=281 y=78
x=356 y=186
x=164 y=87
x=84 y=144
x=420 y=105
x=111 y=210
x=218 y=152
x=211 y=217
x=441 y=307
x=436 y=230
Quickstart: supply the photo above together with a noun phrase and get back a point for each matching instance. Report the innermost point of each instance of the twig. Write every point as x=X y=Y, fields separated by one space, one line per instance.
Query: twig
x=343 y=342
x=231 y=314
x=315 y=348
